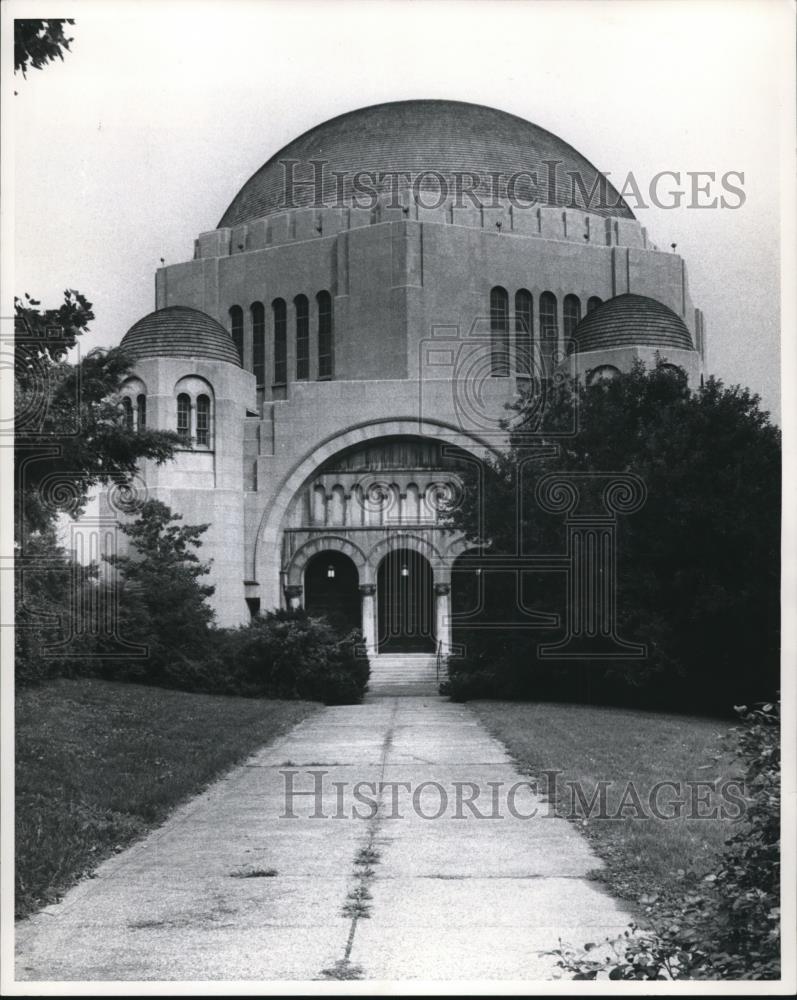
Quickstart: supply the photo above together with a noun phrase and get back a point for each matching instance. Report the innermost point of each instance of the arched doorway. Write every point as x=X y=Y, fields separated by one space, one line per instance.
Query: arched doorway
x=405 y=593
x=331 y=590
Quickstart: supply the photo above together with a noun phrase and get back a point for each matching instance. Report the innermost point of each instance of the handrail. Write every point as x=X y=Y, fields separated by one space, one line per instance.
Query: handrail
x=439 y=658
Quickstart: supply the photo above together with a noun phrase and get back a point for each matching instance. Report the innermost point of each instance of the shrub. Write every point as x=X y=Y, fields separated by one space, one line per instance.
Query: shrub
x=468 y=686
x=748 y=878
x=288 y=654
x=470 y=676
x=727 y=925
x=163 y=601
x=508 y=668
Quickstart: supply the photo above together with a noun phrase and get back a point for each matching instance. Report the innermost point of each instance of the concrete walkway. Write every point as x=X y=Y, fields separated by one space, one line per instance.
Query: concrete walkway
x=233 y=888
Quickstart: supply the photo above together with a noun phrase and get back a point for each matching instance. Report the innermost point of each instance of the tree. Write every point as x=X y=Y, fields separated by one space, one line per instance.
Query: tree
x=698 y=564
x=70 y=434
x=163 y=601
x=37 y=43
x=69 y=438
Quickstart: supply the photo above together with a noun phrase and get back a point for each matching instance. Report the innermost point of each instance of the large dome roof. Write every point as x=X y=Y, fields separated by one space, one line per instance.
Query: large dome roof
x=629 y=321
x=179 y=332
x=446 y=137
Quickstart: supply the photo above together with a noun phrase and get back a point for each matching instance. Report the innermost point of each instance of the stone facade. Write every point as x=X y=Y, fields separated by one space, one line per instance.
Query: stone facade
x=359 y=458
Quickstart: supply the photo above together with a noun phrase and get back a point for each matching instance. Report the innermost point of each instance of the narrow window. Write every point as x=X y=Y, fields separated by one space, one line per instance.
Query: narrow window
x=127 y=410
x=237 y=330
x=259 y=343
x=184 y=417
x=548 y=316
x=593 y=302
x=280 y=341
x=203 y=421
x=571 y=315
x=302 y=308
x=326 y=346
x=499 y=332
x=523 y=334
x=549 y=330
x=141 y=407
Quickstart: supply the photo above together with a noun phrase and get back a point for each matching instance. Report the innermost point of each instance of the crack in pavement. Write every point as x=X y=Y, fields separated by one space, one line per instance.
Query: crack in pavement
x=357 y=905
x=448 y=900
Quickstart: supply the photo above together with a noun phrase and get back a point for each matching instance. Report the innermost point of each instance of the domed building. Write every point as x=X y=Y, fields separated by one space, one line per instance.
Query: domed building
x=342 y=346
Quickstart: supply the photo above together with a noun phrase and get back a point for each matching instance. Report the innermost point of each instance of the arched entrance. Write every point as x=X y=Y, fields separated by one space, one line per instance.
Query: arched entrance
x=405 y=595
x=331 y=590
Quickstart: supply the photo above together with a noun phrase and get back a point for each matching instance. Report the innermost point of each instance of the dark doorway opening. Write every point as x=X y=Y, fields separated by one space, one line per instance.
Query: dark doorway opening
x=331 y=590
x=405 y=590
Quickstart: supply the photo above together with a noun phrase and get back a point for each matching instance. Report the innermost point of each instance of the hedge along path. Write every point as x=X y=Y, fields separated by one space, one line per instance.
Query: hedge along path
x=333 y=889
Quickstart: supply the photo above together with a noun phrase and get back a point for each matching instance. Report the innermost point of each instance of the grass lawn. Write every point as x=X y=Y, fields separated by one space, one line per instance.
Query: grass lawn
x=98 y=764
x=589 y=744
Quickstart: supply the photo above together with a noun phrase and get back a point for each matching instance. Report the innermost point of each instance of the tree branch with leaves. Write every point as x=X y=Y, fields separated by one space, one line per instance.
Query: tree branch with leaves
x=70 y=433
x=38 y=43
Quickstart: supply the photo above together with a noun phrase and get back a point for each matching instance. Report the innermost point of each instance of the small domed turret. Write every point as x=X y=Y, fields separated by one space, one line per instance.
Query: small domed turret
x=179 y=332
x=632 y=321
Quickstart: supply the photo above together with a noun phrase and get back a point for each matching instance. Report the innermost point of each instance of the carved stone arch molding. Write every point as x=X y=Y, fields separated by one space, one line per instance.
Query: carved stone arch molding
x=455 y=548
x=326 y=543
x=133 y=385
x=401 y=540
x=194 y=385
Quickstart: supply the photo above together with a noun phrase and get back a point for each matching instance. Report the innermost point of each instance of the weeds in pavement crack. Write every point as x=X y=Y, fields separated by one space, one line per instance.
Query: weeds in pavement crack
x=343 y=969
x=357 y=905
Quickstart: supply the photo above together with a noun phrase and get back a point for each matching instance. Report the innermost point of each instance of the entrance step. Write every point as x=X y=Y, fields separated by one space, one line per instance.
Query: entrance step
x=404 y=674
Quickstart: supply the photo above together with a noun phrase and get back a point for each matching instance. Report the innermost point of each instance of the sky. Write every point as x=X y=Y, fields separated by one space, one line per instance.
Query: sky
x=138 y=141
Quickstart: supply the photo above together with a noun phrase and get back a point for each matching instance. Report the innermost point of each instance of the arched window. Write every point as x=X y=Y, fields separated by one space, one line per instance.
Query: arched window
x=258 y=343
x=593 y=302
x=603 y=373
x=195 y=412
x=141 y=411
x=302 y=307
x=279 y=311
x=237 y=330
x=184 y=417
x=523 y=331
x=499 y=332
x=203 y=421
x=549 y=329
x=571 y=315
x=326 y=343
x=549 y=323
x=127 y=411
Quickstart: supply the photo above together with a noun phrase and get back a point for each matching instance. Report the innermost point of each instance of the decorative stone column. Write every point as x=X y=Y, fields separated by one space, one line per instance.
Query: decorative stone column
x=368 y=592
x=442 y=592
x=293 y=594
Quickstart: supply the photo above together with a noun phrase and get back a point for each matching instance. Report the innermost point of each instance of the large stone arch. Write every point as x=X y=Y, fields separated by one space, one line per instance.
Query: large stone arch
x=326 y=543
x=266 y=558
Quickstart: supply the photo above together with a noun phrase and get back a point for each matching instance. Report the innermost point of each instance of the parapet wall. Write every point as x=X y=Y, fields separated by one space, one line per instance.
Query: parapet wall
x=301 y=224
